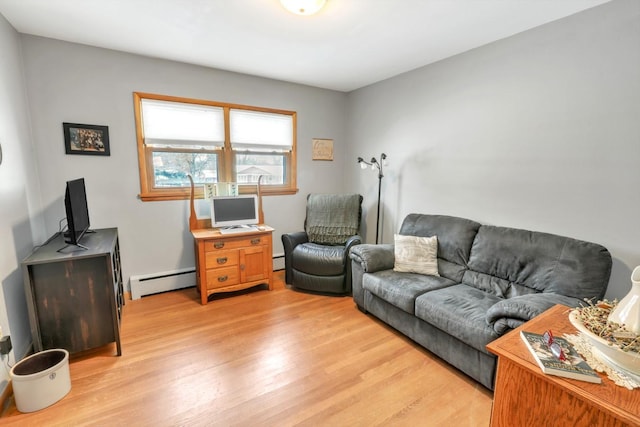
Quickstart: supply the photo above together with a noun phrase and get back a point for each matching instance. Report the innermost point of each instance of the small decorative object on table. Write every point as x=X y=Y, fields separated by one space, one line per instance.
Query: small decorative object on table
x=556 y=356
x=617 y=346
x=627 y=312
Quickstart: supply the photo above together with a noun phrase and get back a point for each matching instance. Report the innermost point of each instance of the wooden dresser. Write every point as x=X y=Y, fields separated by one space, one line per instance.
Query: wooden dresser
x=231 y=262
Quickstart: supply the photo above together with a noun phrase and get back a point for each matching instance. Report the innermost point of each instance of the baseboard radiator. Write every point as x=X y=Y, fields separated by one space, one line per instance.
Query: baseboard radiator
x=278 y=262
x=148 y=284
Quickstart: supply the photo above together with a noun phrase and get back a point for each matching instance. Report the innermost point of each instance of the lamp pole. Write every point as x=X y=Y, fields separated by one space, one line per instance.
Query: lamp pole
x=379 y=165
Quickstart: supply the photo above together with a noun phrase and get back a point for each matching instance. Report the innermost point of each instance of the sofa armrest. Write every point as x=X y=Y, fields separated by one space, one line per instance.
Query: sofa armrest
x=368 y=258
x=373 y=258
x=513 y=312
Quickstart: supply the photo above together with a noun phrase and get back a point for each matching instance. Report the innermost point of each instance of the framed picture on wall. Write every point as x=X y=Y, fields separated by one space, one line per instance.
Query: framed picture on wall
x=322 y=149
x=90 y=140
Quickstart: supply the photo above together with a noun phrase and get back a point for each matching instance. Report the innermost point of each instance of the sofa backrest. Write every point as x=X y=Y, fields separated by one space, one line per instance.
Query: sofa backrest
x=455 y=237
x=508 y=262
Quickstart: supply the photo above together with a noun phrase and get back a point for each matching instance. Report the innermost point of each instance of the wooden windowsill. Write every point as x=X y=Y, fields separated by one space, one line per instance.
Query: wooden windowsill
x=183 y=194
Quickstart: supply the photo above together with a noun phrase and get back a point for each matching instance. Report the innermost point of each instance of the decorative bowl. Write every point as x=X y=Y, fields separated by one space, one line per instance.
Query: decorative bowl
x=627 y=360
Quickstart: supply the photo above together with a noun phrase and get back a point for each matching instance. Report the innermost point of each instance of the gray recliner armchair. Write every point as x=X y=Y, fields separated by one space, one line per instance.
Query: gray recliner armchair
x=317 y=259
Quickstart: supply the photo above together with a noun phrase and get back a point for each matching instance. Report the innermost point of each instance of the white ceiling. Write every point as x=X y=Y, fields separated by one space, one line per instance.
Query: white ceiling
x=348 y=45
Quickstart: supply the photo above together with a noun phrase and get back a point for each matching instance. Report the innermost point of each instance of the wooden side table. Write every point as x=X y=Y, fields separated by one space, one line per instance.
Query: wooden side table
x=523 y=395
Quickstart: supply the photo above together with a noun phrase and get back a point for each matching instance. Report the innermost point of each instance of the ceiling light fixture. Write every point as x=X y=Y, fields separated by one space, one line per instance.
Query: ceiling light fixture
x=303 y=7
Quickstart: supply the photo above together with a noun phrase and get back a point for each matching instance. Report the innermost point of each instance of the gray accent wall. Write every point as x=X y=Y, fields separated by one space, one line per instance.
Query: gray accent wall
x=80 y=84
x=21 y=221
x=538 y=131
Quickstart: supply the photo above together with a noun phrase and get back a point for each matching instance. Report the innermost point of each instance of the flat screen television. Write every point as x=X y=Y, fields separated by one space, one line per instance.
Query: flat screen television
x=233 y=211
x=75 y=204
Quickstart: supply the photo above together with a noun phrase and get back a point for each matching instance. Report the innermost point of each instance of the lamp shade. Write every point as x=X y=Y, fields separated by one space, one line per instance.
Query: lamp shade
x=303 y=7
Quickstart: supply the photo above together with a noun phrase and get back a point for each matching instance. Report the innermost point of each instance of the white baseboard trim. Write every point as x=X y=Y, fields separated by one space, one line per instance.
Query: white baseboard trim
x=147 y=284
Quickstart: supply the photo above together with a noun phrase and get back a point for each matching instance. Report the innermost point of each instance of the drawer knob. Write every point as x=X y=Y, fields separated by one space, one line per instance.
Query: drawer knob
x=255 y=241
x=222 y=278
x=221 y=260
x=218 y=245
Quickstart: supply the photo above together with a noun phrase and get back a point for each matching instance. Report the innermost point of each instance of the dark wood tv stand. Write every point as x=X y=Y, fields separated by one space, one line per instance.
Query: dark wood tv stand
x=74 y=295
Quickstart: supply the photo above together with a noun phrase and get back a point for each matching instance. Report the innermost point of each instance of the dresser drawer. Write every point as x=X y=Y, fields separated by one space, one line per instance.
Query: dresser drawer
x=221 y=277
x=219 y=259
x=240 y=242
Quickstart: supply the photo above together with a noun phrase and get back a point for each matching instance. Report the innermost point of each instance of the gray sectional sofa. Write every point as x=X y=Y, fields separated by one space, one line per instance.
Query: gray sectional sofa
x=492 y=279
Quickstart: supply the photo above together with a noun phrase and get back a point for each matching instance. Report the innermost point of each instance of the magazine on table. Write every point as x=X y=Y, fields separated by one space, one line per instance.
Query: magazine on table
x=573 y=366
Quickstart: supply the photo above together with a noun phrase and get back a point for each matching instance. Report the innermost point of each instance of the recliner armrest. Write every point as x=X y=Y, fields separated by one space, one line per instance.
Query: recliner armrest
x=513 y=312
x=373 y=258
x=289 y=242
x=351 y=242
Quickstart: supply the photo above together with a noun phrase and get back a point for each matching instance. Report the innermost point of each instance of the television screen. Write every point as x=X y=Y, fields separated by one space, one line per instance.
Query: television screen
x=75 y=203
x=234 y=210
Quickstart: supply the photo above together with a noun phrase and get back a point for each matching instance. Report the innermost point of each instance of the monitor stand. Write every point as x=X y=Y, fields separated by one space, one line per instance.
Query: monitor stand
x=77 y=245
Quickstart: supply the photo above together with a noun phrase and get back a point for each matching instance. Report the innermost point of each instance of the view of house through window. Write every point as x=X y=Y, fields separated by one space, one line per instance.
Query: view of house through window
x=250 y=167
x=212 y=142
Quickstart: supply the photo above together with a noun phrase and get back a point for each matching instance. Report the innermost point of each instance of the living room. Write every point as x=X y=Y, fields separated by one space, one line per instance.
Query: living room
x=538 y=130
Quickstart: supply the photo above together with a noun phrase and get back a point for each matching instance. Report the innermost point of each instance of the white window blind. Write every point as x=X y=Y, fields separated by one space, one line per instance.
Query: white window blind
x=167 y=123
x=256 y=130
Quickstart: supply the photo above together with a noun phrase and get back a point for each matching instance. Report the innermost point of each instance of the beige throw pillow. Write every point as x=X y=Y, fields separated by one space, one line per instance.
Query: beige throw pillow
x=415 y=254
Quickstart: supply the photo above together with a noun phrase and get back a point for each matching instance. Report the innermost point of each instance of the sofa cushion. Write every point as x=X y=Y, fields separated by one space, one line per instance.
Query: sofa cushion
x=460 y=311
x=401 y=289
x=455 y=237
x=509 y=262
x=414 y=254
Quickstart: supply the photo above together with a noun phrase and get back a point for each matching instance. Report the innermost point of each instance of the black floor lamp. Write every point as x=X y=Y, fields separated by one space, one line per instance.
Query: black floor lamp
x=375 y=164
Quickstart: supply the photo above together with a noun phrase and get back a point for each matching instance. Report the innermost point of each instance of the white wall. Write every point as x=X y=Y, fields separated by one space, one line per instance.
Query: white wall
x=538 y=131
x=20 y=210
x=74 y=83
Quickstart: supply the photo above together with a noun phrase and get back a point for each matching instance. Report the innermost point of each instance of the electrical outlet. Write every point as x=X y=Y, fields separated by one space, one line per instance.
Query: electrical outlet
x=5 y=345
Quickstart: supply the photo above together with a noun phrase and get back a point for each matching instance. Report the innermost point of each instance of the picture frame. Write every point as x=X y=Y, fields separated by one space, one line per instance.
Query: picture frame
x=322 y=149
x=91 y=140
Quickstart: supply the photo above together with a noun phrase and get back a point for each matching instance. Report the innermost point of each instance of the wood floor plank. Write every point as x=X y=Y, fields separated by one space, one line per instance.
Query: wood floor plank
x=278 y=358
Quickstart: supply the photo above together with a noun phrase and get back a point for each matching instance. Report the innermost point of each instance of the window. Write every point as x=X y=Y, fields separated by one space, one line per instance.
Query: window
x=212 y=142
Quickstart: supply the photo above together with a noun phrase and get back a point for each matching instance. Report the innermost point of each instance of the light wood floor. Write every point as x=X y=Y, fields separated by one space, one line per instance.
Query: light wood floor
x=260 y=358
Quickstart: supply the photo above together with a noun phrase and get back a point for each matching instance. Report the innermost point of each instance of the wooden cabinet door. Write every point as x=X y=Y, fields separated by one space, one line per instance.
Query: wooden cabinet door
x=72 y=303
x=252 y=264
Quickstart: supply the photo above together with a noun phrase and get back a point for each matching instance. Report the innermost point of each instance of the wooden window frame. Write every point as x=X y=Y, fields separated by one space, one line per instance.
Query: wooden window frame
x=226 y=159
